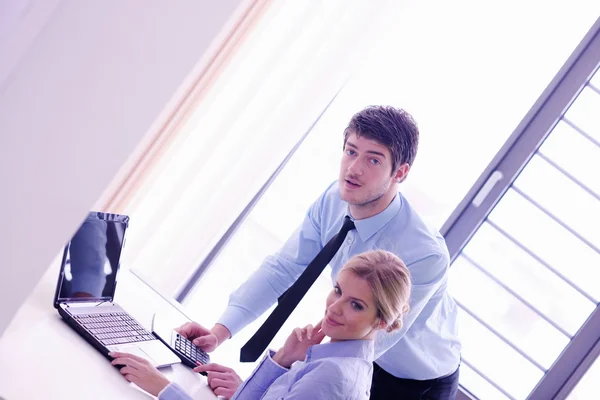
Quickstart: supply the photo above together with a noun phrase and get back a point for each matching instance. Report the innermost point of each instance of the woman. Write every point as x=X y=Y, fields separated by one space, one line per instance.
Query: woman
x=371 y=294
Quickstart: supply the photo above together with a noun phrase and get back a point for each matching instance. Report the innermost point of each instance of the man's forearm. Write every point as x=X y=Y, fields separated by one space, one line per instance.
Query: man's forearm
x=221 y=332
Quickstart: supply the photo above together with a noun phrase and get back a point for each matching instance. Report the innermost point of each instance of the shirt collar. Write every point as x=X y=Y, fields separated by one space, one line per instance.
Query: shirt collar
x=369 y=226
x=363 y=349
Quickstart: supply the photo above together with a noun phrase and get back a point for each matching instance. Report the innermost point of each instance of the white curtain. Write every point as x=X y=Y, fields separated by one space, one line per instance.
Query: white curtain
x=277 y=81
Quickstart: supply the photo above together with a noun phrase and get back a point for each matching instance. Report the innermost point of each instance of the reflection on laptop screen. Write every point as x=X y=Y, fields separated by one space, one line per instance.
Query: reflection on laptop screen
x=91 y=259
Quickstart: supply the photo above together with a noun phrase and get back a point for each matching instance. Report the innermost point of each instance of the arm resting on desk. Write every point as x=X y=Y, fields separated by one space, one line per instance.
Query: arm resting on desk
x=173 y=392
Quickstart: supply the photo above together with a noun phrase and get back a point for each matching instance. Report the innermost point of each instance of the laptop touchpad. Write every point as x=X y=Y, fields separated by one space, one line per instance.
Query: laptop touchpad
x=135 y=350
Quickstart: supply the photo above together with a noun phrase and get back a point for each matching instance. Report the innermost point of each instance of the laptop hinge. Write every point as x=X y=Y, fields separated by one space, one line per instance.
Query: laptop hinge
x=87 y=304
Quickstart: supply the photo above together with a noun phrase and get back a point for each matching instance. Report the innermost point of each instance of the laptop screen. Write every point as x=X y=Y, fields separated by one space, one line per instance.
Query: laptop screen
x=91 y=259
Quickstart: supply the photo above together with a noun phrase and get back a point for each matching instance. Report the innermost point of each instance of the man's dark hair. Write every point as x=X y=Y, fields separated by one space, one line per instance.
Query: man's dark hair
x=392 y=127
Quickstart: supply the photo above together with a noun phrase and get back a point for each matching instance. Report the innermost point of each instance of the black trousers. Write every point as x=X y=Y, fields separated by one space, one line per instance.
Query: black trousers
x=387 y=387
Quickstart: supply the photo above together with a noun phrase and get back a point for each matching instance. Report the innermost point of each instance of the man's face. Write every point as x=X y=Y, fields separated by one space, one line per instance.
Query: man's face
x=366 y=171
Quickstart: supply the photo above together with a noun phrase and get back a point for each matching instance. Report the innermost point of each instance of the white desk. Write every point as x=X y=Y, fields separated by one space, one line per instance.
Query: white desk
x=41 y=357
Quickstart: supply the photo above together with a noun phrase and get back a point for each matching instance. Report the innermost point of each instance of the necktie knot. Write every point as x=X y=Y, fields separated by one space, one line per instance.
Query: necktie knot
x=348 y=225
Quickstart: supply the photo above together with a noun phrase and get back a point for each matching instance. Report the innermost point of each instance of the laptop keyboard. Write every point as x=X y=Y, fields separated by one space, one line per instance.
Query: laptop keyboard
x=113 y=328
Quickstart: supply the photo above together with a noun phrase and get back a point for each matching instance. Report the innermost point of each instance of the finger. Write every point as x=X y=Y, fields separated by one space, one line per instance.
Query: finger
x=126 y=361
x=318 y=336
x=201 y=341
x=219 y=376
x=220 y=383
x=130 y=377
x=227 y=393
x=121 y=361
x=128 y=371
x=298 y=333
x=128 y=355
x=208 y=368
x=212 y=367
x=184 y=329
x=309 y=331
x=212 y=375
x=138 y=359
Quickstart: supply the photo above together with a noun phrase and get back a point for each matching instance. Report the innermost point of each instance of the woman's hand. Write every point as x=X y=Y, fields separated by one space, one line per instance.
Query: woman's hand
x=222 y=380
x=141 y=372
x=297 y=344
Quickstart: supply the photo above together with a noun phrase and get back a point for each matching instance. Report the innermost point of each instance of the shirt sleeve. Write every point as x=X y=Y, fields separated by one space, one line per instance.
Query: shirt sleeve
x=261 y=379
x=427 y=276
x=322 y=382
x=276 y=274
x=173 y=392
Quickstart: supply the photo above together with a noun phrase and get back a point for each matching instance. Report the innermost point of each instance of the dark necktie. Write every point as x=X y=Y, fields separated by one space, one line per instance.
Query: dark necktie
x=290 y=299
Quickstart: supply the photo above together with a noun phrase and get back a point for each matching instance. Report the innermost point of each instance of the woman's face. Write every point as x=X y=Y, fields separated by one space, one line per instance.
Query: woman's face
x=351 y=312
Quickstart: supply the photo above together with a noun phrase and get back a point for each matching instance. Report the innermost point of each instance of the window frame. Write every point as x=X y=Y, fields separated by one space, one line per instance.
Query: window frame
x=465 y=221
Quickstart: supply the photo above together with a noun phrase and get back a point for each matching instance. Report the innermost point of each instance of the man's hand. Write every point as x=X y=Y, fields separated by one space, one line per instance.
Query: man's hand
x=207 y=340
x=297 y=344
x=141 y=372
x=222 y=380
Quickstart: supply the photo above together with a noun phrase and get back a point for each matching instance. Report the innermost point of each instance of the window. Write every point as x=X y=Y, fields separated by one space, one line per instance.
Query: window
x=526 y=279
x=457 y=144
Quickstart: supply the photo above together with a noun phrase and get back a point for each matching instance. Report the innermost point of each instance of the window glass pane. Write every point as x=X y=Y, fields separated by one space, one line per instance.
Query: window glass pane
x=506 y=314
x=537 y=232
x=478 y=386
x=530 y=279
x=589 y=385
x=581 y=161
x=496 y=359
x=481 y=87
x=585 y=112
x=562 y=197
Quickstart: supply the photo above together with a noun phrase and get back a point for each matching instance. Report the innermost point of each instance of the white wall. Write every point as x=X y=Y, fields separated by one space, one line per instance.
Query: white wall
x=74 y=105
x=20 y=23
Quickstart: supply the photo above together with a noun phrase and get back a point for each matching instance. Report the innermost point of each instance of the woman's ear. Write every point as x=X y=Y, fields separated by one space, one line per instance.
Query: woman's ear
x=381 y=324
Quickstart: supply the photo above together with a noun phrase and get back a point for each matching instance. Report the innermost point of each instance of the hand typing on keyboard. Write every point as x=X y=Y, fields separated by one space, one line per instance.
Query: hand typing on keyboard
x=140 y=371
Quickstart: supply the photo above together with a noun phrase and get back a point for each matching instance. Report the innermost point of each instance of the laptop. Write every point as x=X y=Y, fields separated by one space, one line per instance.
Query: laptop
x=86 y=287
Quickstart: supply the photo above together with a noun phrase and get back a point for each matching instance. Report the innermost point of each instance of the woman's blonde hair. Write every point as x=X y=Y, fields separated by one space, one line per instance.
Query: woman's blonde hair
x=389 y=280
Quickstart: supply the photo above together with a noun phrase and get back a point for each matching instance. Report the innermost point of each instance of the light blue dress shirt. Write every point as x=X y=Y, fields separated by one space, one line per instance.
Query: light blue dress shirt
x=340 y=370
x=427 y=346
x=173 y=392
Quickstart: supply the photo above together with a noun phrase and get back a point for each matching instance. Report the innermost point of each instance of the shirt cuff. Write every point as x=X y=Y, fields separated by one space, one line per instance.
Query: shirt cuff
x=272 y=364
x=267 y=371
x=173 y=392
x=263 y=376
x=233 y=319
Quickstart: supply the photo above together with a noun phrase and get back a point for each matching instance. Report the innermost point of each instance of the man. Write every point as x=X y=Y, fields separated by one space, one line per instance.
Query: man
x=421 y=360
